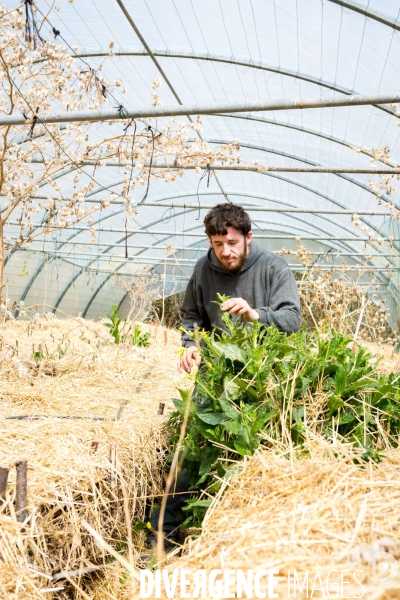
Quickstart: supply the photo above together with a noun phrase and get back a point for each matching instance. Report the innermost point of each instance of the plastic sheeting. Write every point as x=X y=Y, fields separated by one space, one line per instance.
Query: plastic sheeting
x=227 y=51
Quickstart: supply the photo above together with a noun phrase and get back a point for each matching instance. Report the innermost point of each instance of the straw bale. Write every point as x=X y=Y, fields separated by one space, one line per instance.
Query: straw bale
x=389 y=357
x=313 y=514
x=72 y=474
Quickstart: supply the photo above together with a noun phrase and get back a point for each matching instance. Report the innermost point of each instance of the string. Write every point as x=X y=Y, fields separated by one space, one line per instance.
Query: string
x=126 y=237
x=34 y=121
x=32 y=33
x=206 y=171
x=133 y=144
x=56 y=33
x=151 y=162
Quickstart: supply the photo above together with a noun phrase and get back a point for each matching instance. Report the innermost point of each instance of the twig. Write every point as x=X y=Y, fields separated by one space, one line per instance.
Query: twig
x=170 y=478
x=103 y=544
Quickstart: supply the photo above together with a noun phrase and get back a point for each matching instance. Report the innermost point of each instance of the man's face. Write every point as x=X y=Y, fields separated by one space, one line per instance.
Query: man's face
x=231 y=249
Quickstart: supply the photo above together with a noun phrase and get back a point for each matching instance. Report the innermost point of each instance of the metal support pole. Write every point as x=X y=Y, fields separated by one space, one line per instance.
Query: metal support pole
x=178 y=260
x=368 y=12
x=21 y=490
x=378 y=170
x=266 y=209
x=205 y=109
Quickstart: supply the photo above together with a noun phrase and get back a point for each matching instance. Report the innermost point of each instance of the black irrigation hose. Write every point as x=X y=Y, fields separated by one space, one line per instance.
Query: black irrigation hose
x=22 y=417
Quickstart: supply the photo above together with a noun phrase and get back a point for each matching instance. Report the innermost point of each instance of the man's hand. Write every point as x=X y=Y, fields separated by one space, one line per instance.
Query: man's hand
x=185 y=362
x=241 y=308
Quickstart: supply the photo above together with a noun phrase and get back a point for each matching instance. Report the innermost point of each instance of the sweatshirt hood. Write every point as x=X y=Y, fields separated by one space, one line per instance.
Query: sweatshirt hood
x=254 y=254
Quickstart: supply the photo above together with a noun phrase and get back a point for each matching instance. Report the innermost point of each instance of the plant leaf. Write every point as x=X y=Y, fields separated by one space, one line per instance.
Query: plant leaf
x=213 y=418
x=231 y=351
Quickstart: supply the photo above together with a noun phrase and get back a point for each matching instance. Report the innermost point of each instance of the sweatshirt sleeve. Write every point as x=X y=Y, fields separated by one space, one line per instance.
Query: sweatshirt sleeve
x=191 y=313
x=284 y=304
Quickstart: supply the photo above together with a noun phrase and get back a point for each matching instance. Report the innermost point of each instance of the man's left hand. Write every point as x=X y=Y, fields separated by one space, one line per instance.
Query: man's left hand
x=241 y=308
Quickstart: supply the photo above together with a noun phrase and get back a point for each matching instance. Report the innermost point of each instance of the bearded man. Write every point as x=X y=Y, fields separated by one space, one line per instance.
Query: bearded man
x=260 y=284
x=261 y=287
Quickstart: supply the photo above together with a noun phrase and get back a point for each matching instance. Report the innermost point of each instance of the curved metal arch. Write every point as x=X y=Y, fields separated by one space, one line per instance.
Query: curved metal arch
x=330 y=138
x=277 y=227
x=294 y=157
x=287 y=180
x=118 y=182
x=107 y=278
x=64 y=292
x=243 y=62
x=167 y=237
x=293 y=182
x=100 y=188
x=190 y=195
x=368 y=12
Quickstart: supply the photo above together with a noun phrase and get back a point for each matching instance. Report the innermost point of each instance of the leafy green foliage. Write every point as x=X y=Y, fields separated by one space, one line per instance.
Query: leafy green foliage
x=133 y=335
x=258 y=385
x=137 y=338
x=114 y=324
x=197 y=509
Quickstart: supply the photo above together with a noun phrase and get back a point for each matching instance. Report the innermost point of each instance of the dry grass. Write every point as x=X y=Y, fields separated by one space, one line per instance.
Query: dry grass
x=72 y=473
x=313 y=514
x=389 y=358
x=324 y=512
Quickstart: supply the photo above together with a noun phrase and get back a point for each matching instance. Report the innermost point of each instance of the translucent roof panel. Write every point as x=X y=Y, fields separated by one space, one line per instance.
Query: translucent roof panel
x=219 y=51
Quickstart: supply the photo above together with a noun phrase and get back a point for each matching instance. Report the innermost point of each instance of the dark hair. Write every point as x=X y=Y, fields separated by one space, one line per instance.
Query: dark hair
x=222 y=216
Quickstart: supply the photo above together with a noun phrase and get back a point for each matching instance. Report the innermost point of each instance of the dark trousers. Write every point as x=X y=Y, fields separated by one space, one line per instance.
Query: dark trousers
x=174 y=515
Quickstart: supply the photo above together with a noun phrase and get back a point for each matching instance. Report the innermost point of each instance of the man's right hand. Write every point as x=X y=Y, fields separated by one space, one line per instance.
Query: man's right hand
x=185 y=362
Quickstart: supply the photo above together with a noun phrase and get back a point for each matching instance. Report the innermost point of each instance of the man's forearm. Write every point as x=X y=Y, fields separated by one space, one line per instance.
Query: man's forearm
x=187 y=341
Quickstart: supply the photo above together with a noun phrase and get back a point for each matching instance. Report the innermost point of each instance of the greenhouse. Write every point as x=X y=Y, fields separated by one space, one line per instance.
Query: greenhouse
x=122 y=124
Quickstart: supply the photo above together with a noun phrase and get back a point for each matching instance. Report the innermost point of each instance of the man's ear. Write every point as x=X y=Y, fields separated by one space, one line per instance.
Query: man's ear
x=249 y=237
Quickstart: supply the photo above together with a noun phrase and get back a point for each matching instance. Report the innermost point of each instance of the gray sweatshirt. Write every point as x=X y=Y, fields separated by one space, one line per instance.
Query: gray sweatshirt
x=264 y=281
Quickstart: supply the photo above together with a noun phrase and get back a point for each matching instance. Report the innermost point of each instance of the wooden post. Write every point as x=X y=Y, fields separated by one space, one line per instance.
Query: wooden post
x=21 y=490
x=161 y=408
x=165 y=337
x=3 y=483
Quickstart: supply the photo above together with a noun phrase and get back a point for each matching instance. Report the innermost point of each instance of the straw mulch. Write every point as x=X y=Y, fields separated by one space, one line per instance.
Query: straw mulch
x=388 y=357
x=313 y=514
x=78 y=468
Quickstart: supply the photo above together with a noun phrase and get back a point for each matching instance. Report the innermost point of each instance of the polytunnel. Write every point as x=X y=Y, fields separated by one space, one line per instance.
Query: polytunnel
x=321 y=163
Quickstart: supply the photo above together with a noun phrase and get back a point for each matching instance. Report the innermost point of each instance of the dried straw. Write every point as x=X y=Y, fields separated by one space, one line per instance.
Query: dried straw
x=323 y=512
x=313 y=514
x=78 y=468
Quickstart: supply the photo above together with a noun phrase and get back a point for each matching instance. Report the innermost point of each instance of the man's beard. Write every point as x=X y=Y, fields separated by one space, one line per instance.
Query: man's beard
x=238 y=264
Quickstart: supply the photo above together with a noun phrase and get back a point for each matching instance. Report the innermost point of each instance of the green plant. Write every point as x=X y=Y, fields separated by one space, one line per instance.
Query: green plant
x=114 y=324
x=260 y=386
x=137 y=338
x=197 y=509
x=133 y=335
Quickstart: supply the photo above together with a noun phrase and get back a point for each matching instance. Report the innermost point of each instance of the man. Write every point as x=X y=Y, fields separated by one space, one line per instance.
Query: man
x=259 y=283
x=261 y=287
